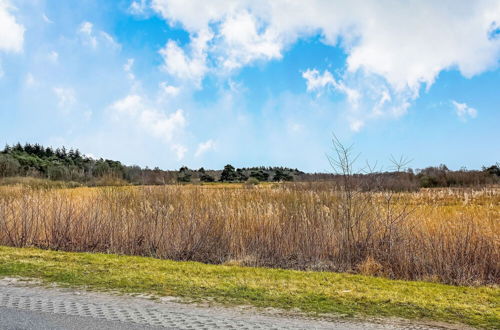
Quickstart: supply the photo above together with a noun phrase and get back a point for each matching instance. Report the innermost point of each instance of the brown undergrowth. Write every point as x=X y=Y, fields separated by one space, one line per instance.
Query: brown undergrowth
x=446 y=235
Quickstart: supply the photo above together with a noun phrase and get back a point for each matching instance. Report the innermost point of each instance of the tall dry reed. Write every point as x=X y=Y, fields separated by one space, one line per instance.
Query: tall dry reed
x=452 y=236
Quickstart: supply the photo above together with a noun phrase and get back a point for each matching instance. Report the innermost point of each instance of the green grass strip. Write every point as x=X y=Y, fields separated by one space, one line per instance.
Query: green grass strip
x=310 y=292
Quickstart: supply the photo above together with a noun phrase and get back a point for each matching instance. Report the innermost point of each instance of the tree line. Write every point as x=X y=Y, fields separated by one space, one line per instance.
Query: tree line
x=62 y=164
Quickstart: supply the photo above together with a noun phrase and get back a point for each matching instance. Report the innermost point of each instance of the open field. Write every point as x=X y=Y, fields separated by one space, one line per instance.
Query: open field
x=446 y=235
x=310 y=292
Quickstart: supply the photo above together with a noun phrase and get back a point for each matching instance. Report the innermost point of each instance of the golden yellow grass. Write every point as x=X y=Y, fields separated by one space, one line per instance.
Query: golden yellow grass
x=446 y=235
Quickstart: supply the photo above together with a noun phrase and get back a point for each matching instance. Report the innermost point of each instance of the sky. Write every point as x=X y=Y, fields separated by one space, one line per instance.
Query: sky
x=199 y=83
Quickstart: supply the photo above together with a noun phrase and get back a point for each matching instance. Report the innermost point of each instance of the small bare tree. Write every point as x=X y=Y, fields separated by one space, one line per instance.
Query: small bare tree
x=342 y=162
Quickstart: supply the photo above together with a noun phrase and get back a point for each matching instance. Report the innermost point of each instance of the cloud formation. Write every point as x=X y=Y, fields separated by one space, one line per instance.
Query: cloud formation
x=11 y=32
x=134 y=110
x=187 y=65
x=464 y=111
x=378 y=36
x=65 y=97
x=204 y=147
x=93 y=38
x=387 y=62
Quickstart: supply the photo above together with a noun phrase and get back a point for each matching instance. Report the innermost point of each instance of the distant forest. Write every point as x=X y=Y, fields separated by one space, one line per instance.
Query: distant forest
x=61 y=164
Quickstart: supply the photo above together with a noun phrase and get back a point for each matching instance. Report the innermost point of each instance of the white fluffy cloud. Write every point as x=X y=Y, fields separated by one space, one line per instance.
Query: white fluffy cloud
x=317 y=82
x=11 y=32
x=168 y=90
x=204 y=147
x=464 y=111
x=134 y=109
x=190 y=65
x=393 y=48
x=379 y=36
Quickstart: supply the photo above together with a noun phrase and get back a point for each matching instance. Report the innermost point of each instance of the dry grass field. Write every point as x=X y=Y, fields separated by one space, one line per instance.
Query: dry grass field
x=443 y=235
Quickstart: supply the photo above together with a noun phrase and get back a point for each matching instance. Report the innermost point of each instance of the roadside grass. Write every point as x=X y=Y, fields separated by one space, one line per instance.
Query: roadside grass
x=310 y=292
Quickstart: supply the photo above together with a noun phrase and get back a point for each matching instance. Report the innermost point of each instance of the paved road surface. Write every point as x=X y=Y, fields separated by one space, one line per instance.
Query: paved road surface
x=28 y=307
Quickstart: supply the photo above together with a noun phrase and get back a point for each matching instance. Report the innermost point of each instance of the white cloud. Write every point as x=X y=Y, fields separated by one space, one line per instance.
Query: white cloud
x=179 y=150
x=317 y=82
x=135 y=110
x=204 y=147
x=86 y=32
x=11 y=32
x=464 y=111
x=109 y=40
x=138 y=7
x=356 y=125
x=65 y=97
x=169 y=90
x=127 y=67
x=94 y=38
x=378 y=36
x=46 y=19
x=243 y=43
x=393 y=48
x=192 y=66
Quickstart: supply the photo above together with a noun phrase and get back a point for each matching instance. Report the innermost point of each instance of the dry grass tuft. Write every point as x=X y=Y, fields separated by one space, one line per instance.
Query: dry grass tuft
x=370 y=267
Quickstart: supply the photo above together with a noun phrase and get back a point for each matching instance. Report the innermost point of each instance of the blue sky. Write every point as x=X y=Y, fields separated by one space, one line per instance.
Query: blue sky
x=205 y=83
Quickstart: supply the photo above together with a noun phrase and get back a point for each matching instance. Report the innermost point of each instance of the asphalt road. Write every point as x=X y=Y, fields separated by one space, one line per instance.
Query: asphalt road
x=28 y=307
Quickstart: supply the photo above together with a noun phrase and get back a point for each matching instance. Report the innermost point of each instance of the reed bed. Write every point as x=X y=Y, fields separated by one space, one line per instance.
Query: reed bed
x=443 y=235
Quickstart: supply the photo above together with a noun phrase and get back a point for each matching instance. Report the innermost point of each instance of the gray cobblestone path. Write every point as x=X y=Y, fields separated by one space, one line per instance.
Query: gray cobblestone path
x=140 y=312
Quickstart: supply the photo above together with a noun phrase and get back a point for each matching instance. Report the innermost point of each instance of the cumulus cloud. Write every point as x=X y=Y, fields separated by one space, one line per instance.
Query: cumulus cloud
x=378 y=36
x=187 y=65
x=11 y=32
x=387 y=62
x=464 y=111
x=243 y=43
x=135 y=109
x=65 y=97
x=316 y=82
x=204 y=147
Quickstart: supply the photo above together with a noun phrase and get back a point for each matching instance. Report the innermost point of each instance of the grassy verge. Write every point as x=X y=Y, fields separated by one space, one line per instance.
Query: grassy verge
x=313 y=292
